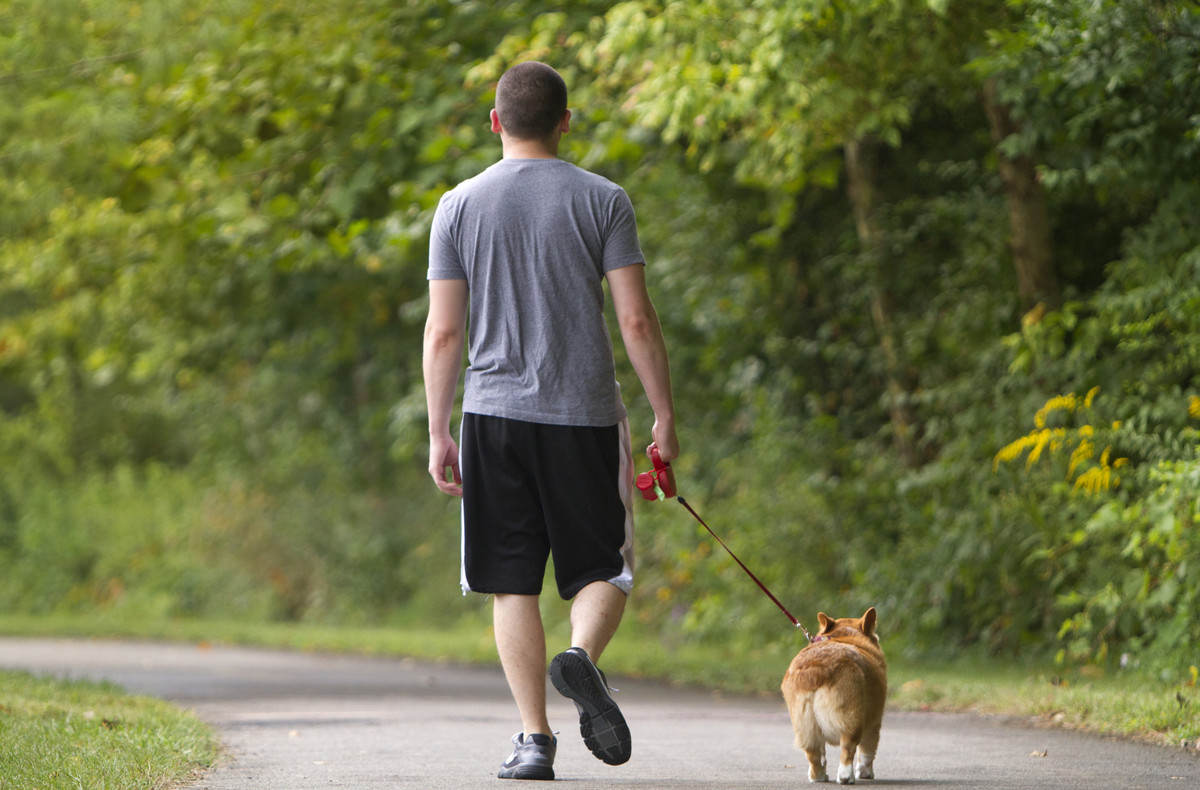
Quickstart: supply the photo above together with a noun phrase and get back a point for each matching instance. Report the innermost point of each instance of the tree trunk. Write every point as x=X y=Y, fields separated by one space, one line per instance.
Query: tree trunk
x=1033 y=256
x=862 y=173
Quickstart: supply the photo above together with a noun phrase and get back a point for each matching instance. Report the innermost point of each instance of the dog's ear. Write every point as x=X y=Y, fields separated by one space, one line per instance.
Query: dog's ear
x=825 y=620
x=868 y=622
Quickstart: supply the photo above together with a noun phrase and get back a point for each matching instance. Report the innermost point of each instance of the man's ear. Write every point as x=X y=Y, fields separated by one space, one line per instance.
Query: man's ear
x=565 y=125
x=495 y=122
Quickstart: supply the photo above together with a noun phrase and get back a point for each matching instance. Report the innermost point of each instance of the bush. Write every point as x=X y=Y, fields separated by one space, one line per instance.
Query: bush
x=159 y=543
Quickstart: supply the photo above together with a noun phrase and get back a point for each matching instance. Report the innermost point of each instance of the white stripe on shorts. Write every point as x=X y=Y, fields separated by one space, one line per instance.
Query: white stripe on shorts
x=625 y=478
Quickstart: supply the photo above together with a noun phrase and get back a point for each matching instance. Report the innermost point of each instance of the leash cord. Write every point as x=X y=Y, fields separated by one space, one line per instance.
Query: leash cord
x=749 y=573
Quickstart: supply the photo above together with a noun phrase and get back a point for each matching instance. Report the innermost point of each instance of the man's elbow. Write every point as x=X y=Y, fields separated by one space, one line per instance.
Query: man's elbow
x=639 y=327
x=441 y=338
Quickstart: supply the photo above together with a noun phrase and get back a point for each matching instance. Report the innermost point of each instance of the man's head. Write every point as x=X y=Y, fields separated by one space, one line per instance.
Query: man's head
x=531 y=101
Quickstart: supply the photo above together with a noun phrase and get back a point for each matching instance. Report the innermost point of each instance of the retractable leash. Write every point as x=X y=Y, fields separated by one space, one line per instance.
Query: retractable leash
x=660 y=484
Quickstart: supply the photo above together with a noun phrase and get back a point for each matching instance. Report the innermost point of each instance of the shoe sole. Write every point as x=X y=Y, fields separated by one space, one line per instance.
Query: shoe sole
x=601 y=724
x=524 y=772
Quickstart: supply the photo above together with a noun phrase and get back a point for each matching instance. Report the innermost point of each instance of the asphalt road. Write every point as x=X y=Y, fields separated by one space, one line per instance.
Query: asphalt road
x=294 y=721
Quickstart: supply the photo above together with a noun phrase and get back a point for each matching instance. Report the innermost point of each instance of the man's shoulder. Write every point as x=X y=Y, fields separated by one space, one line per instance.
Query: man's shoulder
x=593 y=178
x=498 y=180
x=465 y=186
x=555 y=168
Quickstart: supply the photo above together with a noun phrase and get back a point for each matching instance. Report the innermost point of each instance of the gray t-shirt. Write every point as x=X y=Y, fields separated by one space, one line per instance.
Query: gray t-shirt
x=534 y=238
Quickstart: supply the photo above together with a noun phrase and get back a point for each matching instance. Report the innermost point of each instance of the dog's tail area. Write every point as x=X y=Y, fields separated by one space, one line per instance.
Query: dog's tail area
x=800 y=687
x=805 y=723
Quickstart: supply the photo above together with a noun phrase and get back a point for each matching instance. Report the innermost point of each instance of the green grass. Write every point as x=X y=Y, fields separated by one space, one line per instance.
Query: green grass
x=59 y=734
x=1125 y=703
x=1128 y=704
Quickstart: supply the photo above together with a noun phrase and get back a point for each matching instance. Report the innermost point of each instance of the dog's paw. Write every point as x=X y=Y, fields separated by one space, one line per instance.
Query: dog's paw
x=845 y=775
x=863 y=769
x=815 y=776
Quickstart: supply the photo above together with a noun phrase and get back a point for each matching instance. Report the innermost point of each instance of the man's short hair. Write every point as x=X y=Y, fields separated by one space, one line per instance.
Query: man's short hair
x=531 y=100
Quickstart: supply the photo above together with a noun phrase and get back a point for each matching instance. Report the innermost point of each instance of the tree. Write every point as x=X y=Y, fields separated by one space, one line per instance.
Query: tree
x=1028 y=216
x=230 y=223
x=792 y=94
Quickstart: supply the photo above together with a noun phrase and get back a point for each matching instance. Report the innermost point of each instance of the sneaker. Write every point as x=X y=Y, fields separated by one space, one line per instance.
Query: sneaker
x=532 y=757
x=601 y=724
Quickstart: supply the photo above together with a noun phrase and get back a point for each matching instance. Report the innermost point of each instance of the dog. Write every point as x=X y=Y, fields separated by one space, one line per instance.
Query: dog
x=835 y=689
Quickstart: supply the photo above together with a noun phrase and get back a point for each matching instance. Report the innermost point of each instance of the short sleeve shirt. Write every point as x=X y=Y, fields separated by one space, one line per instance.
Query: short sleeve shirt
x=534 y=239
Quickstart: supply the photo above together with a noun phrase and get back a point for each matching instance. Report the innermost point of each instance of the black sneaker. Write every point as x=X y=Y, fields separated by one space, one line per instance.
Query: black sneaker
x=601 y=724
x=532 y=757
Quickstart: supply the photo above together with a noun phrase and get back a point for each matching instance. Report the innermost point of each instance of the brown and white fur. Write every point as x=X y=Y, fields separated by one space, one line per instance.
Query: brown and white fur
x=835 y=689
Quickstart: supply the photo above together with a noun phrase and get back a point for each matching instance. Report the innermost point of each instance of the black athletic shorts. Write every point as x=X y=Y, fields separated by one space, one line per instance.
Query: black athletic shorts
x=531 y=491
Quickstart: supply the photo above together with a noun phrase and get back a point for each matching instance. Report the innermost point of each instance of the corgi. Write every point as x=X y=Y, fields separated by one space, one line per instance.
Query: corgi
x=835 y=689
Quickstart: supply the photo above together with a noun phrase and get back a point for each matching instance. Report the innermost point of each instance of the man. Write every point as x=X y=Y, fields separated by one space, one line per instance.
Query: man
x=546 y=466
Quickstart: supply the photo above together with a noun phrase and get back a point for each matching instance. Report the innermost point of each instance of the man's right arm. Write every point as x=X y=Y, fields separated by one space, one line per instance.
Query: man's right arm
x=643 y=338
x=445 y=337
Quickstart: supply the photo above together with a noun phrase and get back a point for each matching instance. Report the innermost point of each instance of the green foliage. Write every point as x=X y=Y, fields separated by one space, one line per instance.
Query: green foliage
x=774 y=90
x=156 y=543
x=257 y=226
x=1133 y=590
x=1108 y=92
x=1140 y=587
x=212 y=259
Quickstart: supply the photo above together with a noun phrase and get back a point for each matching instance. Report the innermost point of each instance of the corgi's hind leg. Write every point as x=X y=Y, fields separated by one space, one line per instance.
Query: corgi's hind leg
x=816 y=765
x=845 y=775
x=864 y=761
x=864 y=765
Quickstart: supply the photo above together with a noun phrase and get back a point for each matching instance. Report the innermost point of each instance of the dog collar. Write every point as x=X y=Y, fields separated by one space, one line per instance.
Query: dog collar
x=820 y=638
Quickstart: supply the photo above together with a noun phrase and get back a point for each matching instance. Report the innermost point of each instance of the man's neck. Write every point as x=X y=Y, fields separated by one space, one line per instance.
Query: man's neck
x=529 y=149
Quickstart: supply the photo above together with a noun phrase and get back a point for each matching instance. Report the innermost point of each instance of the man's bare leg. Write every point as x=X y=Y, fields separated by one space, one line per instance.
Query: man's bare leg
x=521 y=642
x=595 y=614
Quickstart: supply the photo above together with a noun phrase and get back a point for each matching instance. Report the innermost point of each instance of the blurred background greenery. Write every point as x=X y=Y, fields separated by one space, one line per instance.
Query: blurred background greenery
x=925 y=269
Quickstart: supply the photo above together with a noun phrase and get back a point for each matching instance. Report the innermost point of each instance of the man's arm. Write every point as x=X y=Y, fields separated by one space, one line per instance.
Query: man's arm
x=643 y=339
x=445 y=336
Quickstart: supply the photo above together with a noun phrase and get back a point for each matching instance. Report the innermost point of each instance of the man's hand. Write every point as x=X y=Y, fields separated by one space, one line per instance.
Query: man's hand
x=443 y=454
x=665 y=440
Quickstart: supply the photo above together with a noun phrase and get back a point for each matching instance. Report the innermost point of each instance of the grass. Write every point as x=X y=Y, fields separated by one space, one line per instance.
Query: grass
x=69 y=734
x=1131 y=705
x=1126 y=703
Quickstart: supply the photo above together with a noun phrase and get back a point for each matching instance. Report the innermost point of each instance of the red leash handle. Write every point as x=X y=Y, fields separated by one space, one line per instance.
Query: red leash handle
x=659 y=484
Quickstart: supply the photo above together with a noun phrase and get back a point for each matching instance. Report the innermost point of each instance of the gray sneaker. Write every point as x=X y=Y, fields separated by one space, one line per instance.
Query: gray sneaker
x=601 y=724
x=532 y=757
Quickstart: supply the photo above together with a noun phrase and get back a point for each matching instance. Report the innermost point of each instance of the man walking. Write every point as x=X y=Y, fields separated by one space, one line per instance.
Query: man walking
x=545 y=466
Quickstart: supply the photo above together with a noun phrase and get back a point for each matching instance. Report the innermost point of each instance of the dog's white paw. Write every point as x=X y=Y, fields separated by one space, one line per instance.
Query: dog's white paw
x=863 y=768
x=845 y=775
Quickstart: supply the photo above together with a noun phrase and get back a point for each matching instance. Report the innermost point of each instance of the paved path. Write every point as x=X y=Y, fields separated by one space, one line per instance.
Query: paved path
x=294 y=721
